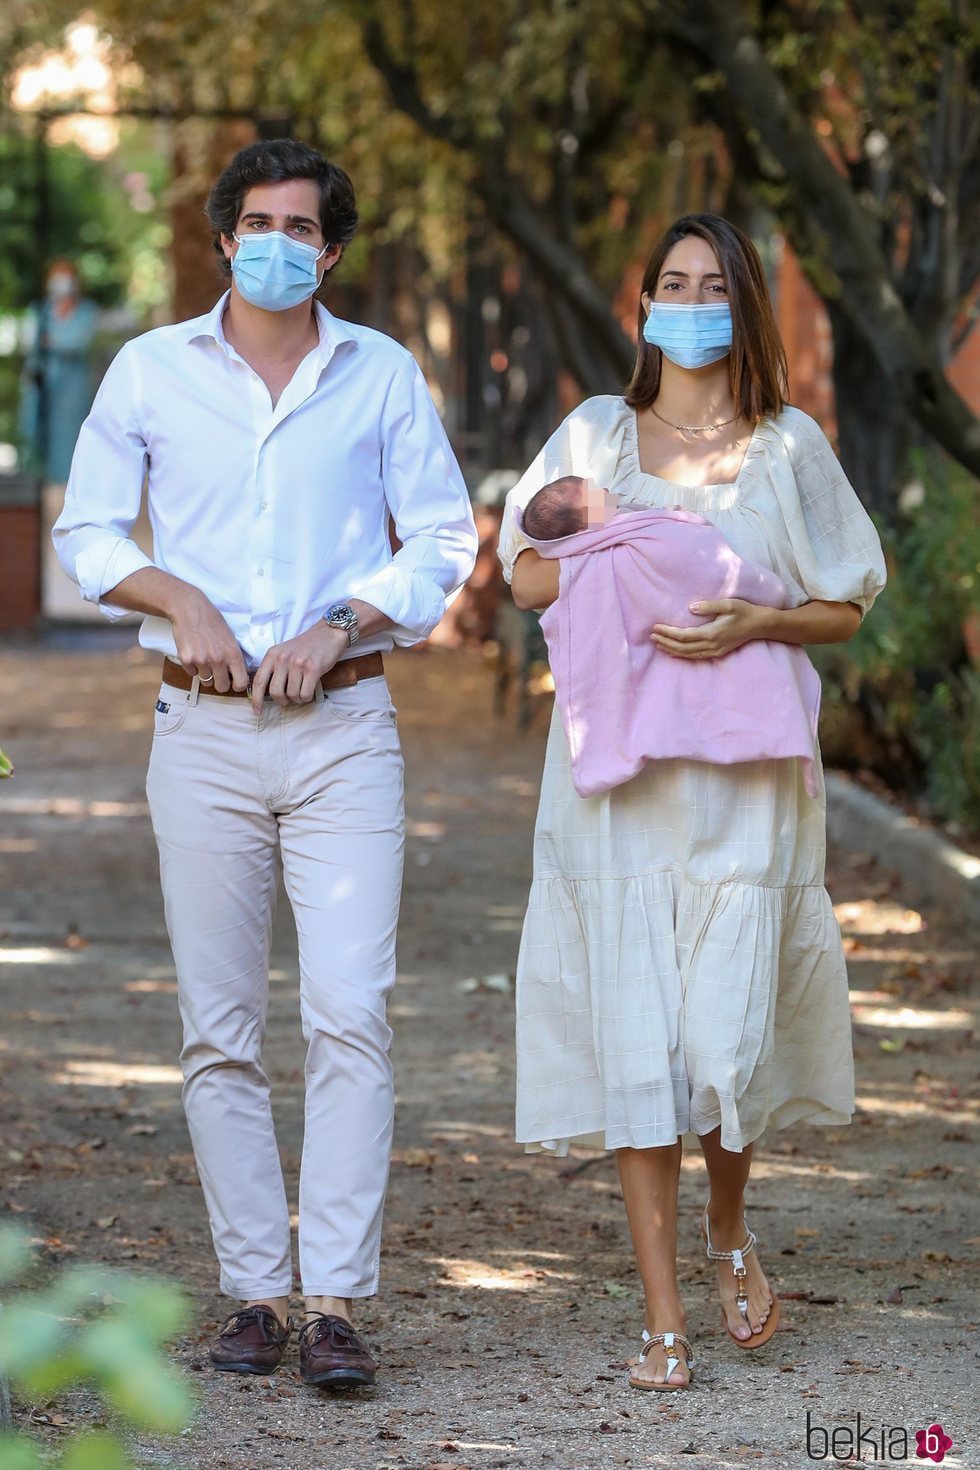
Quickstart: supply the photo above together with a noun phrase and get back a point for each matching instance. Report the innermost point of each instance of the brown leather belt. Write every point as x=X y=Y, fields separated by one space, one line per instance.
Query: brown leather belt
x=341 y=676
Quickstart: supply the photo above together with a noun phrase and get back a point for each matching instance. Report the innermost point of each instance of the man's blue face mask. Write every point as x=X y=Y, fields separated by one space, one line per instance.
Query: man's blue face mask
x=692 y=336
x=275 y=272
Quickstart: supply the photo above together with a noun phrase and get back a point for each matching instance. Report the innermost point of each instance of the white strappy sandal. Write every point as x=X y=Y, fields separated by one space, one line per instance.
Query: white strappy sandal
x=669 y=1341
x=737 y=1258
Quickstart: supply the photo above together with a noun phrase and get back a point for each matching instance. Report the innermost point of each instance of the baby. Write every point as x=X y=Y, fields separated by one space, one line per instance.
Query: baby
x=567 y=505
x=623 y=701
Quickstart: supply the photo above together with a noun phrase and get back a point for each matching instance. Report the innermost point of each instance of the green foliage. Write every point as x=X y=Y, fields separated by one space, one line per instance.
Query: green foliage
x=17 y=1452
x=84 y=211
x=98 y=1327
x=908 y=669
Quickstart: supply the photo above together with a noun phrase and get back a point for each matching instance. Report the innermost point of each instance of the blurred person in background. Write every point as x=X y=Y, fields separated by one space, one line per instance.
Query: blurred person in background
x=56 y=394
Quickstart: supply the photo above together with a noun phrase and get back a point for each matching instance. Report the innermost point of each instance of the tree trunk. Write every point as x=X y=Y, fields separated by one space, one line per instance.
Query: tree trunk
x=721 y=32
x=202 y=147
x=874 y=424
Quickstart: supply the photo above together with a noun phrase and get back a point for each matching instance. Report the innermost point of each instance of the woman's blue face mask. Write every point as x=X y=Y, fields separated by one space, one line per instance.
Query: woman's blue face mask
x=692 y=336
x=275 y=272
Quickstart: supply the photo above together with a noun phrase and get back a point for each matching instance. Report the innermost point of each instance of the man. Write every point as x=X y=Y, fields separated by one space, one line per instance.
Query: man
x=276 y=440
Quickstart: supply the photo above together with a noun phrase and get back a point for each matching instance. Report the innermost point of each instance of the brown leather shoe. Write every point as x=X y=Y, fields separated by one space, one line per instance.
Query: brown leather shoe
x=251 y=1341
x=331 y=1355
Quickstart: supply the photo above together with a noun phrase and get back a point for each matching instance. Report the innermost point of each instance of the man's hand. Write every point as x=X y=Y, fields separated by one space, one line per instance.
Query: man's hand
x=290 y=671
x=733 y=622
x=205 y=644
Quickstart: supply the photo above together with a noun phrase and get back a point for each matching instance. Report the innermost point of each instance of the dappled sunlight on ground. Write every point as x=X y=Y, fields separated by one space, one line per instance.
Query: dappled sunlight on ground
x=876 y=916
x=151 y=987
x=461 y=1129
x=905 y=1017
x=116 y=1074
x=479 y=1274
x=72 y=807
x=880 y=1104
x=36 y=955
x=769 y=1166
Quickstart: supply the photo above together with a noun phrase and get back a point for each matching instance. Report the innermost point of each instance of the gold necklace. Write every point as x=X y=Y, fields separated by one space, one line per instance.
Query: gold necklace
x=692 y=428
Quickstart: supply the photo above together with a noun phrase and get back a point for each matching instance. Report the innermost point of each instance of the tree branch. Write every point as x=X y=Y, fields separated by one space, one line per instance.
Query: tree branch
x=720 y=33
x=555 y=258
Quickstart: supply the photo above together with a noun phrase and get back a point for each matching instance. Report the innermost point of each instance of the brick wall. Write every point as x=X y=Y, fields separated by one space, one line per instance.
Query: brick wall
x=964 y=371
x=20 y=599
x=805 y=330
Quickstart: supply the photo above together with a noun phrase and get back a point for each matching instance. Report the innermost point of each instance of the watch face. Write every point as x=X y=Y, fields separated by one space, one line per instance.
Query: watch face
x=341 y=616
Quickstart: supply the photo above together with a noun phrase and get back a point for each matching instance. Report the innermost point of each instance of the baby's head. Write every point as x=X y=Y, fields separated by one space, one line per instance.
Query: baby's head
x=568 y=505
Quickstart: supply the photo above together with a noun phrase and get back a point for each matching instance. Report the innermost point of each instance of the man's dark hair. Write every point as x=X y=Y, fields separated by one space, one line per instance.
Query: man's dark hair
x=273 y=162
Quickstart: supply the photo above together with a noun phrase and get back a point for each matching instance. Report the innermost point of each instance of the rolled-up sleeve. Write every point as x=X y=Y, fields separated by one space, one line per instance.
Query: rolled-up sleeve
x=92 y=534
x=428 y=500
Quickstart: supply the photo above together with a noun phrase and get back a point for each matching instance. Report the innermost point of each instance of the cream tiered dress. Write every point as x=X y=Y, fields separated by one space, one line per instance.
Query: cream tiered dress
x=681 y=967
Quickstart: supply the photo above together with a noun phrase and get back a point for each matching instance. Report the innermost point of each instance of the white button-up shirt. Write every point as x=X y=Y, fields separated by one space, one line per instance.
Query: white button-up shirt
x=274 y=513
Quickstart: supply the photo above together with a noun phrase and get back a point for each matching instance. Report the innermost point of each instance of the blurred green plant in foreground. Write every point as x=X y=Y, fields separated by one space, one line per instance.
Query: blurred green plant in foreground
x=6 y=765
x=95 y=1327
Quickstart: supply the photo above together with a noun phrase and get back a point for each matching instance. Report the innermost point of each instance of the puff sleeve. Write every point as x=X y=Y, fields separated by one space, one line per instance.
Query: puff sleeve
x=832 y=539
x=579 y=446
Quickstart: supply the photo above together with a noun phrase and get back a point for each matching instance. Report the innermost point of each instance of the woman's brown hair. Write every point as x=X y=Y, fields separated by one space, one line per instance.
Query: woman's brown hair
x=757 y=362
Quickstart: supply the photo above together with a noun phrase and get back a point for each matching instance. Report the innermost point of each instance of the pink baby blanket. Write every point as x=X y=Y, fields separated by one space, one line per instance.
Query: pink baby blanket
x=623 y=701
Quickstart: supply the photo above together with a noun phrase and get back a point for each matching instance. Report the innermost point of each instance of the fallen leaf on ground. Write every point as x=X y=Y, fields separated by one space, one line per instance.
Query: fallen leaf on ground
x=415 y=1158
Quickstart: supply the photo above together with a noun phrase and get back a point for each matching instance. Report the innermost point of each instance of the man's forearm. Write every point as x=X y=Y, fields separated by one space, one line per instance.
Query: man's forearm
x=813 y=622
x=151 y=591
x=205 y=644
x=369 y=619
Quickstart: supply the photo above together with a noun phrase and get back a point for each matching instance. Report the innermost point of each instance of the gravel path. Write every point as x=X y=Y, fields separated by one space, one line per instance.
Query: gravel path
x=509 y=1303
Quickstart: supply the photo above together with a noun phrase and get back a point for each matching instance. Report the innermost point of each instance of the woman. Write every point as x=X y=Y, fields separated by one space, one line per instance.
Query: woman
x=56 y=395
x=57 y=388
x=681 y=969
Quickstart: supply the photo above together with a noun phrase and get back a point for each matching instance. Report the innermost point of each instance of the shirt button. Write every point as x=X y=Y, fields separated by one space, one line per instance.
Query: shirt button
x=260 y=572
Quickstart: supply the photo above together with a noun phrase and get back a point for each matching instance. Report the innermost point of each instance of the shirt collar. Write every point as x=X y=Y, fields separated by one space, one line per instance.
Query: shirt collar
x=330 y=329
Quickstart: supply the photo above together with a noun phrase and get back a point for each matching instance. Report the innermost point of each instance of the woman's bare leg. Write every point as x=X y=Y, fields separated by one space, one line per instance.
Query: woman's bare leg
x=649 y=1177
x=728 y=1174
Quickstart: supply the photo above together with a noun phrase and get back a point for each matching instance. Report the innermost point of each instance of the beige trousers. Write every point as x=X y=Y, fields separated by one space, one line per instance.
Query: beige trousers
x=321 y=786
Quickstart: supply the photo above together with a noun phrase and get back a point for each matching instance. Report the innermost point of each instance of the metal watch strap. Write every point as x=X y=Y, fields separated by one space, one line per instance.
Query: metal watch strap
x=343 y=616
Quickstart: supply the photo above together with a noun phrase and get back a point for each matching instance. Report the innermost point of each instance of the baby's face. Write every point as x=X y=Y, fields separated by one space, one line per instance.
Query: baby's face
x=600 y=505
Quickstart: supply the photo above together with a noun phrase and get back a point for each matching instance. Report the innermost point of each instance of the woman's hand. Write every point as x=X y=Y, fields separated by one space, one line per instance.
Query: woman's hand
x=733 y=622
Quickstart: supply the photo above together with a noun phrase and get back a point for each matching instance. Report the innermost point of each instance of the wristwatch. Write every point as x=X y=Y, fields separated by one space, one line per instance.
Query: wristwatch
x=341 y=615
